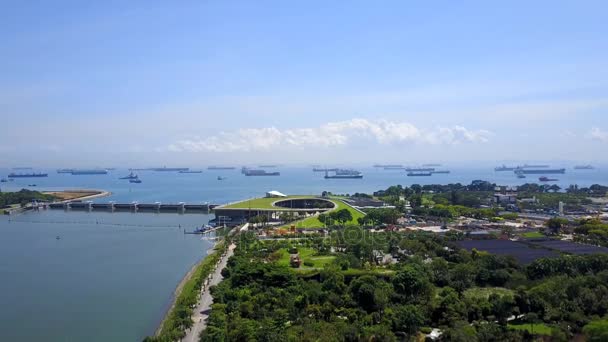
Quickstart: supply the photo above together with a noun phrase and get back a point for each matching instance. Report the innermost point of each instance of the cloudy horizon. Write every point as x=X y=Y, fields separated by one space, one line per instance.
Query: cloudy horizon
x=141 y=84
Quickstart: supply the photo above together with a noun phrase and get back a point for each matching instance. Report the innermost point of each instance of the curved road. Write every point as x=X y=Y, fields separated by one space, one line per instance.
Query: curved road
x=201 y=312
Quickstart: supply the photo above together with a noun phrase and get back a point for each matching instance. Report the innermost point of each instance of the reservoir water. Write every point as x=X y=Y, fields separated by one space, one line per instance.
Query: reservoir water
x=111 y=276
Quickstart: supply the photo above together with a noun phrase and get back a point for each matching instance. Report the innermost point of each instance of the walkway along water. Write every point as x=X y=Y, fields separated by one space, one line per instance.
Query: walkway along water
x=201 y=313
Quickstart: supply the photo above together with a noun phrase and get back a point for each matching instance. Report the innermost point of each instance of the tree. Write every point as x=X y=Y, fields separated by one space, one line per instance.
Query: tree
x=597 y=330
x=408 y=319
x=342 y=216
x=555 y=224
x=412 y=284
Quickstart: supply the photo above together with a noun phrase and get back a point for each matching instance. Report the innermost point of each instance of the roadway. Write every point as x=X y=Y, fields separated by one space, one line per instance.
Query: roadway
x=203 y=308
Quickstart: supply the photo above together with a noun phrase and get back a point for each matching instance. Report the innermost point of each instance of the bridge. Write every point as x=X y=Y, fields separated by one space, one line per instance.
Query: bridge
x=181 y=207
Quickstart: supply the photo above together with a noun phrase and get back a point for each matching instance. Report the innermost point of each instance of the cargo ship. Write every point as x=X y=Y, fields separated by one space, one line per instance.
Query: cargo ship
x=27 y=175
x=389 y=166
x=130 y=176
x=190 y=171
x=268 y=166
x=431 y=165
x=419 y=169
x=583 y=167
x=170 y=169
x=318 y=169
x=221 y=168
x=504 y=168
x=65 y=170
x=525 y=171
x=419 y=173
x=532 y=166
x=251 y=172
x=344 y=174
x=547 y=179
x=89 y=172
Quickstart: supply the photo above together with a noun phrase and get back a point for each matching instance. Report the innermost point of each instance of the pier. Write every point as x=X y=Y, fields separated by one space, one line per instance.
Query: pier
x=112 y=206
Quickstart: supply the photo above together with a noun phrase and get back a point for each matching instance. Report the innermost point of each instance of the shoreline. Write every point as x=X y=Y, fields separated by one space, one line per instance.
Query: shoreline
x=176 y=292
x=180 y=287
x=87 y=194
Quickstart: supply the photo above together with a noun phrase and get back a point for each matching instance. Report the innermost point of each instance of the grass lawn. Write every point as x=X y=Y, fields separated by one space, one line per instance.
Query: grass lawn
x=531 y=235
x=307 y=255
x=485 y=292
x=260 y=203
x=537 y=329
x=313 y=221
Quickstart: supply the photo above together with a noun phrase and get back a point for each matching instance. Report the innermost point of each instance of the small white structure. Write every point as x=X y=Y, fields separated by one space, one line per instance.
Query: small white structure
x=275 y=193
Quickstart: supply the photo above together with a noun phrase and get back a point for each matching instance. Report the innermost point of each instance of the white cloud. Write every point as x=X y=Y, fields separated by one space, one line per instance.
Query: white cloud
x=598 y=134
x=341 y=133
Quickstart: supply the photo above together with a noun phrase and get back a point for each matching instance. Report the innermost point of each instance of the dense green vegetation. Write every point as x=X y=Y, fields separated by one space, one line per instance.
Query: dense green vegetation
x=22 y=197
x=470 y=296
x=179 y=318
x=591 y=231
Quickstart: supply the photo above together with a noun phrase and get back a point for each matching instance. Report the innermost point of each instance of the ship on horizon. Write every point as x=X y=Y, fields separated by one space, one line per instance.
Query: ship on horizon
x=27 y=175
x=419 y=173
x=257 y=172
x=431 y=165
x=190 y=171
x=505 y=168
x=89 y=172
x=213 y=167
x=584 y=167
x=130 y=176
x=65 y=170
x=344 y=174
x=419 y=169
x=532 y=166
x=388 y=166
x=525 y=171
x=320 y=169
x=170 y=169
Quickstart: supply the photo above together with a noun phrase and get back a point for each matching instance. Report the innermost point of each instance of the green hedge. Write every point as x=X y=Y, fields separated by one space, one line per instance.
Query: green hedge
x=180 y=318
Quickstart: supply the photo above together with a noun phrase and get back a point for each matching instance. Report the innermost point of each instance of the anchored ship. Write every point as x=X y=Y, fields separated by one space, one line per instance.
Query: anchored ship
x=90 y=172
x=419 y=173
x=389 y=166
x=221 y=168
x=532 y=166
x=27 y=175
x=130 y=176
x=505 y=168
x=190 y=171
x=65 y=170
x=344 y=174
x=525 y=171
x=419 y=169
x=170 y=169
x=584 y=167
x=319 y=169
x=252 y=172
x=547 y=179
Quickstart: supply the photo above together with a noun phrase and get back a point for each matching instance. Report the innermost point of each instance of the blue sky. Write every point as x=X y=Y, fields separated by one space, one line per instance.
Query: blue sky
x=140 y=83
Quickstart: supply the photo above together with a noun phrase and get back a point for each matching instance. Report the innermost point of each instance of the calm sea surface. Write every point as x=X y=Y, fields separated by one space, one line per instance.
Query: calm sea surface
x=110 y=276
